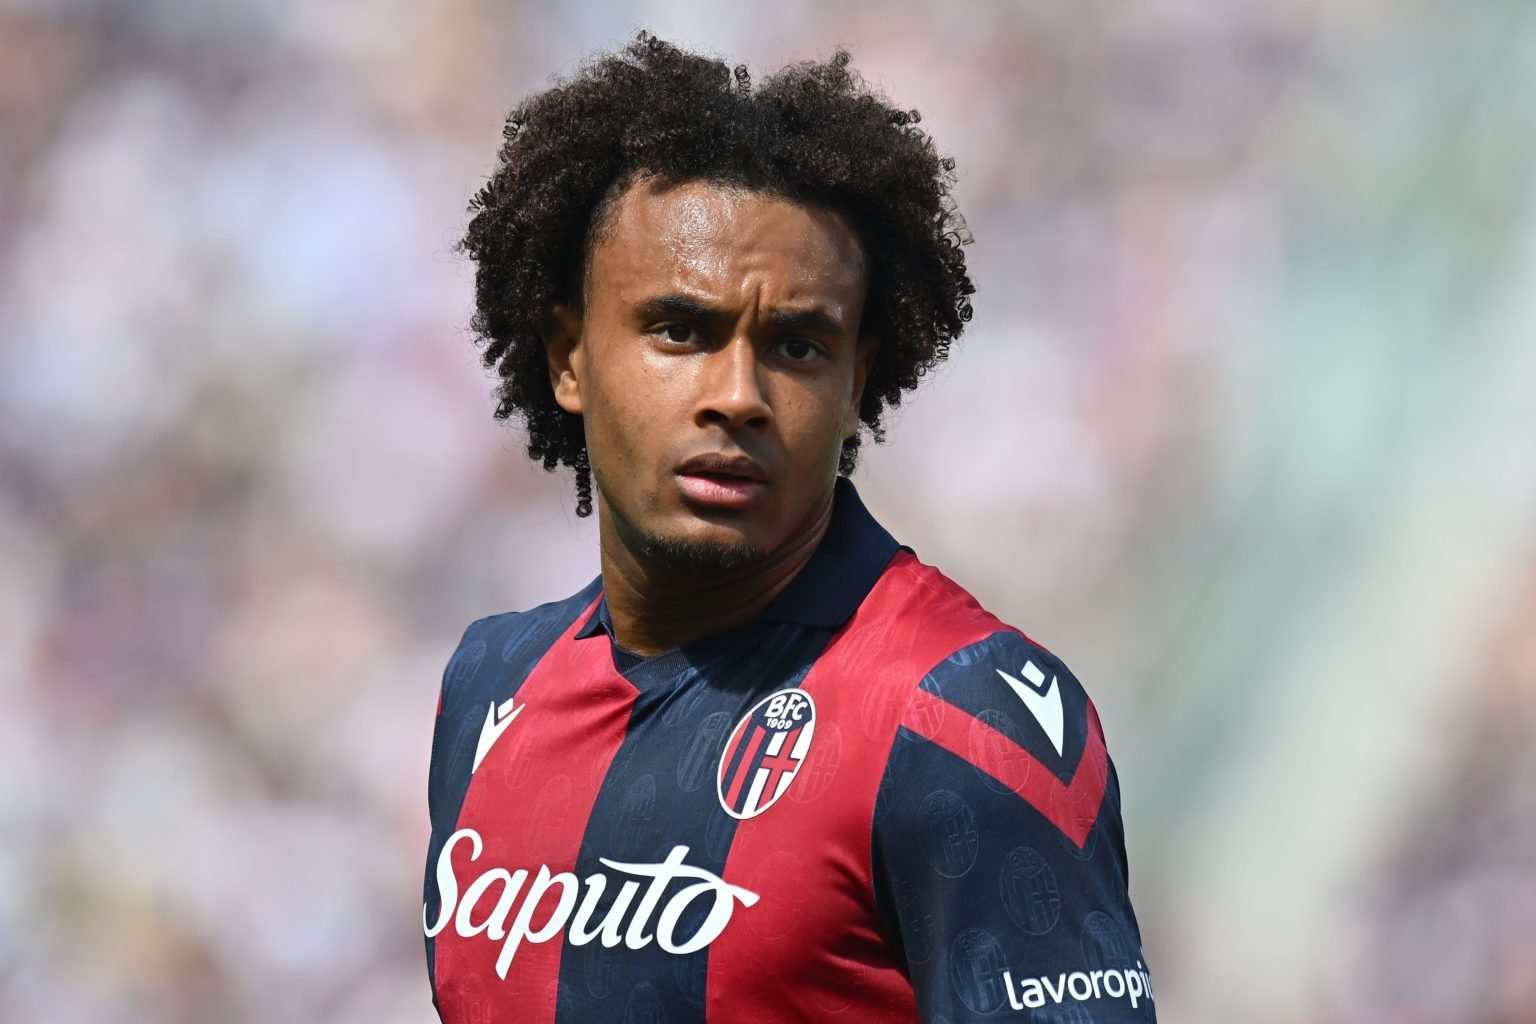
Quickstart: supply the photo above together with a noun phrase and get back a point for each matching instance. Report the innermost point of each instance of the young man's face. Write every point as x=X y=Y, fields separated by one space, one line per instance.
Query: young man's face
x=717 y=367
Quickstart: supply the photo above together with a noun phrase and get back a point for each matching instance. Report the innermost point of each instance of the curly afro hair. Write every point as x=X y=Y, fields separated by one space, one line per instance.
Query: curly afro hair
x=812 y=133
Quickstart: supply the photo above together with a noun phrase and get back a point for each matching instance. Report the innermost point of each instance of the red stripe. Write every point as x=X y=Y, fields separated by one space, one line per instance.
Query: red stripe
x=744 y=769
x=530 y=800
x=743 y=730
x=1073 y=808
x=912 y=619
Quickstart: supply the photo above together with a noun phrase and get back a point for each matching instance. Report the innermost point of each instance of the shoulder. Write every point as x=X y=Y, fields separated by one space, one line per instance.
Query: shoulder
x=991 y=706
x=976 y=662
x=1006 y=686
x=509 y=638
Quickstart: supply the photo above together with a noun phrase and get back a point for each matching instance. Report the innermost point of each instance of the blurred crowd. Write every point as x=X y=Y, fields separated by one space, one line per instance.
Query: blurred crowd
x=1240 y=429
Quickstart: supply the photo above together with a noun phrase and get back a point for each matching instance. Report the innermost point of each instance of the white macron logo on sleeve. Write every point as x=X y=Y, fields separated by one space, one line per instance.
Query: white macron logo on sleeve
x=496 y=722
x=1043 y=702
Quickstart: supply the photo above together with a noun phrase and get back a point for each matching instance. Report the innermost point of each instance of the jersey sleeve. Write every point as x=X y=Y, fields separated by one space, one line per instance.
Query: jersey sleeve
x=997 y=846
x=454 y=729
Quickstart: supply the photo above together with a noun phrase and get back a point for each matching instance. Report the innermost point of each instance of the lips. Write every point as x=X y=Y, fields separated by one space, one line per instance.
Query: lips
x=722 y=481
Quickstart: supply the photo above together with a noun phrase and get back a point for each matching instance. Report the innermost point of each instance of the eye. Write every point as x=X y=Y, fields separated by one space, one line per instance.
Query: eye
x=799 y=350
x=680 y=334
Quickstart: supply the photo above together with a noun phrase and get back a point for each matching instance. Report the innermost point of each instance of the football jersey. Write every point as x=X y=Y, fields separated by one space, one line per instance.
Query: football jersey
x=875 y=802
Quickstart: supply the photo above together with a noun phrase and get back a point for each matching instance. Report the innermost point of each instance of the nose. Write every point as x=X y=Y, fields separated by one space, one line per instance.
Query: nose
x=731 y=394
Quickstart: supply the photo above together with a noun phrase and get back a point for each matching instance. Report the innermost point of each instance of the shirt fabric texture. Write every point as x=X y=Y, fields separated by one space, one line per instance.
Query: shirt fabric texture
x=874 y=802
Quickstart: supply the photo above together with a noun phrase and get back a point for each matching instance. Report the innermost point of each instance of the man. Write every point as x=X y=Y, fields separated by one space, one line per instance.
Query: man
x=768 y=766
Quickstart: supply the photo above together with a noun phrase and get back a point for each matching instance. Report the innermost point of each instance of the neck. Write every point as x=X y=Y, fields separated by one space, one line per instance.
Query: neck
x=656 y=606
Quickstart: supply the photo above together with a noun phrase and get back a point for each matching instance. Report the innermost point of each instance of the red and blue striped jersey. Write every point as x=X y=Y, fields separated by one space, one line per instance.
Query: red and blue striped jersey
x=876 y=802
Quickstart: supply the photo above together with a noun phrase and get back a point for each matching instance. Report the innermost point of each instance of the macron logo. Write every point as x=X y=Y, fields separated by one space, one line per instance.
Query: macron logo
x=496 y=721
x=1044 y=702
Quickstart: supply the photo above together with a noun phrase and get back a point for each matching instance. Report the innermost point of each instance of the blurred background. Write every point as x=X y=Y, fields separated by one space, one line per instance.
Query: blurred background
x=1243 y=429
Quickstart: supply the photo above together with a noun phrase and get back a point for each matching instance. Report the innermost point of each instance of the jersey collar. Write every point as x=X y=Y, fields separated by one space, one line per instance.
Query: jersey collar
x=828 y=589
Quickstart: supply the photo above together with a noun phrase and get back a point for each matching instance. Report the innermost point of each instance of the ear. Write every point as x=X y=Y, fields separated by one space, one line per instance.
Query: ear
x=562 y=346
x=863 y=362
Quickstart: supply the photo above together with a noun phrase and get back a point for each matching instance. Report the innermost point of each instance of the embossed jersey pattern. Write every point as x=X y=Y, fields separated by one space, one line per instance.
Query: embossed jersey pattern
x=875 y=803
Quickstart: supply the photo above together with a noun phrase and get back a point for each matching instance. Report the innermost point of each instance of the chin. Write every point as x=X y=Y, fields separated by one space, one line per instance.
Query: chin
x=718 y=554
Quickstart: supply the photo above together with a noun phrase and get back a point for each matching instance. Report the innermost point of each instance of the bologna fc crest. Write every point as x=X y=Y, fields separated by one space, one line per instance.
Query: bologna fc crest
x=765 y=752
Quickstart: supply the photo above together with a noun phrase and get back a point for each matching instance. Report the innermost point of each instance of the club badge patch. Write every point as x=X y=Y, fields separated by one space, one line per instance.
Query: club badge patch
x=765 y=752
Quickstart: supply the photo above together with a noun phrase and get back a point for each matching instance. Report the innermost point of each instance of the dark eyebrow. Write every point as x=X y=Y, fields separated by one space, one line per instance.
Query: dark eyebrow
x=663 y=306
x=812 y=321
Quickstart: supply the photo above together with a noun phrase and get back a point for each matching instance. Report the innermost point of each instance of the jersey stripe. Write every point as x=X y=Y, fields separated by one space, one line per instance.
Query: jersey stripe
x=554 y=814
x=771 y=853
x=745 y=770
x=1073 y=807
x=492 y=661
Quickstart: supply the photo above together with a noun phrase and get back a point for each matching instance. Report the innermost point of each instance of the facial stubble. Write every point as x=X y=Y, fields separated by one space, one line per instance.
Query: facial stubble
x=698 y=556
